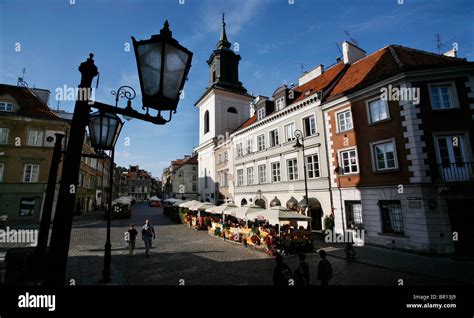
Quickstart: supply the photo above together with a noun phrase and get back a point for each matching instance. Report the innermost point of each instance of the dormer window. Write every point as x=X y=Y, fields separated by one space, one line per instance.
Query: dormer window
x=261 y=113
x=6 y=107
x=280 y=103
x=307 y=92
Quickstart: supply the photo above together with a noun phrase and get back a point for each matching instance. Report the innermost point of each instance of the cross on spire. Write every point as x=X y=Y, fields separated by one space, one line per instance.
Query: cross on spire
x=223 y=42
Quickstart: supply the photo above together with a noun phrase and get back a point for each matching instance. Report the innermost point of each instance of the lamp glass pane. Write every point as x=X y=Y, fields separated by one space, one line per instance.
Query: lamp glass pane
x=175 y=66
x=94 y=130
x=150 y=66
x=117 y=131
x=110 y=124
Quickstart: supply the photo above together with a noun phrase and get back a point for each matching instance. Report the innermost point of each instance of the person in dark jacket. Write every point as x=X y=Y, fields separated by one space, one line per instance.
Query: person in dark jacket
x=301 y=275
x=132 y=235
x=281 y=273
x=148 y=235
x=324 y=269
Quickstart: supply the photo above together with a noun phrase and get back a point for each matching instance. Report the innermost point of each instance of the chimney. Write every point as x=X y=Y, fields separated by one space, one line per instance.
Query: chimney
x=42 y=94
x=351 y=53
x=310 y=75
x=451 y=53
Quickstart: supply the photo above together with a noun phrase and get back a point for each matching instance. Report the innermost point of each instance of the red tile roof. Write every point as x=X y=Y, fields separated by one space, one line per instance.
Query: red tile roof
x=248 y=122
x=193 y=160
x=387 y=62
x=30 y=104
x=319 y=83
x=343 y=78
x=313 y=86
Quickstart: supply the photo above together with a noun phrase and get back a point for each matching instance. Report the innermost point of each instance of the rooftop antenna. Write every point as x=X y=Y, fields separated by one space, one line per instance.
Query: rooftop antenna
x=57 y=107
x=302 y=68
x=21 y=80
x=338 y=48
x=439 y=43
x=353 y=41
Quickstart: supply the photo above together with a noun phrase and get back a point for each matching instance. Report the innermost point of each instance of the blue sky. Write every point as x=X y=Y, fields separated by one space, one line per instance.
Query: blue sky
x=274 y=39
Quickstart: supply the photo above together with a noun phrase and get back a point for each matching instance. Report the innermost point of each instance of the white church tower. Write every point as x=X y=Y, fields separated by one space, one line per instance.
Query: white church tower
x=223 y=107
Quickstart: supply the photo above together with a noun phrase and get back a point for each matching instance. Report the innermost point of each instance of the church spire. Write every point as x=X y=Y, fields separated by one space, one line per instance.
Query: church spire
x=223 y=42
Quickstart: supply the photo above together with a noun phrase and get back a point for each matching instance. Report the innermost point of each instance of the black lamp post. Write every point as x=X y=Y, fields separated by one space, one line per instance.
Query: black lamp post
x=163 y=66
x=104 y=130
x=300 y=144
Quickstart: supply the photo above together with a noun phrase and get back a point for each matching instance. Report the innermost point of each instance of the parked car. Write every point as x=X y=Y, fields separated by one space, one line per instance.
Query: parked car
x=156 y=204
x=154 y=201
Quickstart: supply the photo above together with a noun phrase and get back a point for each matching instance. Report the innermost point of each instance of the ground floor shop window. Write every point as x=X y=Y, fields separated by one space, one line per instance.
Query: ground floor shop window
x=392 y=218
x=354 y=215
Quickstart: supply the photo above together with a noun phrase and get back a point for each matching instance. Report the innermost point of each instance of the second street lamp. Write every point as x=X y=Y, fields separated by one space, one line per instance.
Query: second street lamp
x=104 y=130
x=298 y=145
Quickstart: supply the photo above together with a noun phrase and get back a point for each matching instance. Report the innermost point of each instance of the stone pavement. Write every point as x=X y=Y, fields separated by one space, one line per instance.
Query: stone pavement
x=460 y=270
x=184 y=256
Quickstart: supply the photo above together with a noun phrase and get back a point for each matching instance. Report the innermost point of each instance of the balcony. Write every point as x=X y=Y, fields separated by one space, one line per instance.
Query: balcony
x=456 y=172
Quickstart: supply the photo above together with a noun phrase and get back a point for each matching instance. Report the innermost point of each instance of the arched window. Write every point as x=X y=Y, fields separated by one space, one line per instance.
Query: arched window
x=243 y=202
x=206 y=122
x=232 y=118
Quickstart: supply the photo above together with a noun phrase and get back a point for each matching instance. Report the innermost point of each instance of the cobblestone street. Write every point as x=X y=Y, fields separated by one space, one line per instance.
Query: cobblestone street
x=183 y=256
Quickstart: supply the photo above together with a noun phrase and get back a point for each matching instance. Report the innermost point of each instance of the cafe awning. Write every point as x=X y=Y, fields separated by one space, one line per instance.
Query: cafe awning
x=187 y=204
x=242 y=212
x=277 y=214
x=221 y=208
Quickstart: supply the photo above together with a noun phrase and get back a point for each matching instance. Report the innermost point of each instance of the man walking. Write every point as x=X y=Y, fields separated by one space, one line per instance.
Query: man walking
x=301 y=274
x=324 y=269
x=131 y=236
x=148 y=235
x=282 y=273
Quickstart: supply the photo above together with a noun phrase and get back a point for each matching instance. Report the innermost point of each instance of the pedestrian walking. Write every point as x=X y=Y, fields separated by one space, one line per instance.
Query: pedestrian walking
x=324 y=269
x=282 y=273
x=131 y=235
x=350 y=251
x=301 y=275
x=148 y=235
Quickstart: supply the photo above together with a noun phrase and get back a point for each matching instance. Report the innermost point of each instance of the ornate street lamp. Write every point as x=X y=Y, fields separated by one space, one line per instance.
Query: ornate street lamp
x=298 y=145
x=104 y=130
x=163 y=66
